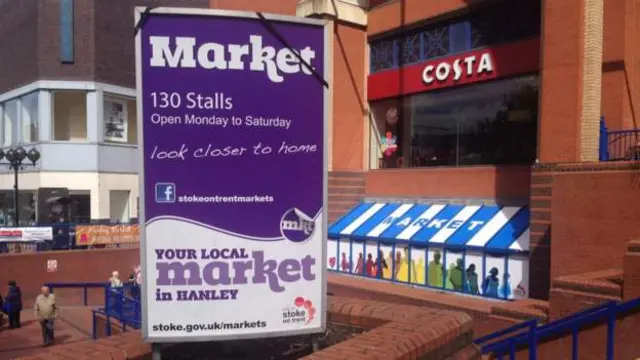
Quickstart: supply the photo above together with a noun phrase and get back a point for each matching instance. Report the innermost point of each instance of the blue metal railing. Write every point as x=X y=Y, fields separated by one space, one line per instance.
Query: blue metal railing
x=121 y=304
x=616 y=145
x=85 y=286
x=510 y=340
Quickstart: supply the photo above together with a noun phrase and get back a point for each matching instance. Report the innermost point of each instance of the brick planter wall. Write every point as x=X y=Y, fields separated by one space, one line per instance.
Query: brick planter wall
x=394 y=332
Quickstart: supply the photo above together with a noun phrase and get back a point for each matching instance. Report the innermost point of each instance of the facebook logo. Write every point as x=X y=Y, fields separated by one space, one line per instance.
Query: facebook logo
x=165 y=192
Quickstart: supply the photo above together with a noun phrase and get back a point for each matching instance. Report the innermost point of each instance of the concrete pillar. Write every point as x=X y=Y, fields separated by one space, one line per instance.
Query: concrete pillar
x=95 y=116
x=571 y=76
x=348 y=116
x=592 y=80
x=99 y=196
x=2 y=124
x=17 y=126
x=45 y=115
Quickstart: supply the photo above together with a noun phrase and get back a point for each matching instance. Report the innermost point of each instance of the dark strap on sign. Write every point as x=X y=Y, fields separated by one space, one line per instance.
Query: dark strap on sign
x=267 y=24
x=143 y=19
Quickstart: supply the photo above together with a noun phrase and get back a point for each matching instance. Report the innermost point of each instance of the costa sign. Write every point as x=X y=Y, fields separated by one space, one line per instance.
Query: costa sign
x=511 y=59
x=469 y=66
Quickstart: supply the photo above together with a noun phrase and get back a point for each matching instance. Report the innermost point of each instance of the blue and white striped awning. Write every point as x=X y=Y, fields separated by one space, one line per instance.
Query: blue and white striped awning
x=488 y=228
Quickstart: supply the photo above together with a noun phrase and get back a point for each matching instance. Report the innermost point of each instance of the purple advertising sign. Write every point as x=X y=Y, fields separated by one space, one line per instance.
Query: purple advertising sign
x=232 y=132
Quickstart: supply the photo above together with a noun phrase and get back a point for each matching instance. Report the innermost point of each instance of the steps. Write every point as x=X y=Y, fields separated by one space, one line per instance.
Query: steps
x=346 y=189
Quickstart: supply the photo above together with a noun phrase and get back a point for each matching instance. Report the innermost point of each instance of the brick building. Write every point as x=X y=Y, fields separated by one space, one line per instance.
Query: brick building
x=478 y=106
x=472 y=105
x=67 y=87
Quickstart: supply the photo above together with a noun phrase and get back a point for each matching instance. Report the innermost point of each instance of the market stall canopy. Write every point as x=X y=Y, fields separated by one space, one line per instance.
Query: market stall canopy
x=487 y=228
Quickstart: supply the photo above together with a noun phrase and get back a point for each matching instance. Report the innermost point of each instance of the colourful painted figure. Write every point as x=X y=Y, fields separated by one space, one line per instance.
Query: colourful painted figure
x=436 y=271
x=505 y=289
x=420 y=268
x=359 y=265
x=387 y=271
x=381 y=265
x=389 y=145
x=491 y=284
x=402 y=269
x=471 y=285
x=370 y=266
x=520 y=291
x=455 y=276
x=447 y=278
x=344 y=264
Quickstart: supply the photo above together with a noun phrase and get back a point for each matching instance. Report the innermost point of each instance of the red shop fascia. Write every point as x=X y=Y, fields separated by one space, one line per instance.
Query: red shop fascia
x=491 y=63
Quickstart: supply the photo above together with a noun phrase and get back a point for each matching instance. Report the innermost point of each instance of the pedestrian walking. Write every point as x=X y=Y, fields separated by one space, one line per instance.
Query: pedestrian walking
x=13 y=302
x=46 y=312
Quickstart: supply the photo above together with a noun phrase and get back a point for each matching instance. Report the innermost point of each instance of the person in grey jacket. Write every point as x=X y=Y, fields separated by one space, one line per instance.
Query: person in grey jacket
x=46 y=311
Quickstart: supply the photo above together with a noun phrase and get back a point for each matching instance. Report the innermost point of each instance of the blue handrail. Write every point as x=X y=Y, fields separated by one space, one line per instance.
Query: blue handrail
x=77 y=285
x=608 y=311
x=121 y=303
x=618 y=144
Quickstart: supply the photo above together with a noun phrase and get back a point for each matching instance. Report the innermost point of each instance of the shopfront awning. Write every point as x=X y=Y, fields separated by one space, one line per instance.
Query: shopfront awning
x=486 y=228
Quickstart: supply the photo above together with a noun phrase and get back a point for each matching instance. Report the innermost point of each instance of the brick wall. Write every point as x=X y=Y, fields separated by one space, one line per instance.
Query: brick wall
x=397 y=332
x=540 y=227
x=346 y=189
x=19 y=41
x=489 y=316
x=594 y=212
x=505 y=184
x=571 y=294
x=114 y=41
x=30 y=270
x=103 y=41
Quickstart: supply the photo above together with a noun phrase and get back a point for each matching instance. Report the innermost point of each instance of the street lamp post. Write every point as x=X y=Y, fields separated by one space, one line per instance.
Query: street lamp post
x=15 y=160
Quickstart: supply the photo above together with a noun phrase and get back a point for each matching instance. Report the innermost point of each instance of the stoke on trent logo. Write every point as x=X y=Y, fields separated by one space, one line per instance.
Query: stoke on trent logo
x=165 y=192
x=303 y=312
x=296 y=226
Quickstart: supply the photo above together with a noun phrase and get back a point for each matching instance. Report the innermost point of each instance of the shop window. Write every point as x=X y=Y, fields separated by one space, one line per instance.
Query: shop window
x=81 y=207
x=436 y=42
x=493 y=123
x=383 y=55
x=411 y=48
x=9 y=121
x=485 y=26
x=116 y=122
x=69 y=116
x=26 y=206
x=29 y=118
x=387 y=134
x=119 y=211
x=459 y=38
x=132 y=121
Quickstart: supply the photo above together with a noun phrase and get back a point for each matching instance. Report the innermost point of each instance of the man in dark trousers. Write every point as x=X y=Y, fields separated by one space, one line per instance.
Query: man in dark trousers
x=46 y=312
x=13 y=304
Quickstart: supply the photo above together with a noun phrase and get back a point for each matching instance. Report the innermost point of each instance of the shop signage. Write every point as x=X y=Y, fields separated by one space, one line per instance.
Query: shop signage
x=501 y=61
x=26 y=234
x=464 y=66
x=107 y=234
x=233 y=177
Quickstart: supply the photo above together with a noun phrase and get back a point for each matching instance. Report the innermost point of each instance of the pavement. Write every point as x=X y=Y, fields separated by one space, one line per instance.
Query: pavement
x=74 y=324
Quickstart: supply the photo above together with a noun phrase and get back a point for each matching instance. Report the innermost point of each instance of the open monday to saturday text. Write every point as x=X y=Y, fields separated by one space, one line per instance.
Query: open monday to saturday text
x=222 y=121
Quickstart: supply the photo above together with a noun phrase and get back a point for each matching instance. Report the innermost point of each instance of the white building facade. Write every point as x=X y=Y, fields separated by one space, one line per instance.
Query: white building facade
x=86 y=134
